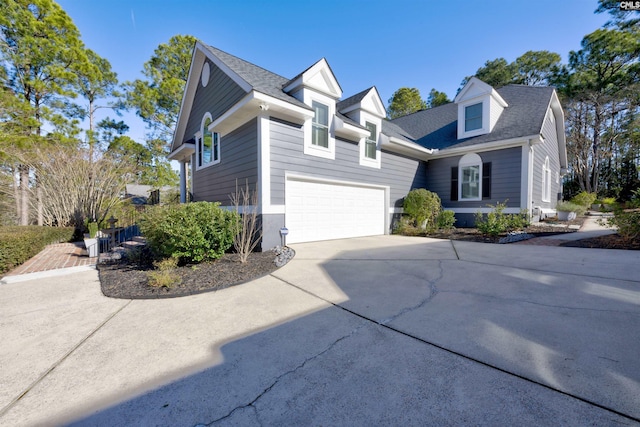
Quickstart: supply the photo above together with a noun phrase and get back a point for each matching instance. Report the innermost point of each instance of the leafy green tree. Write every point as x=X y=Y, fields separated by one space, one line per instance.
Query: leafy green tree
x=537 y=68
x=621 y=18
x=96 y=80
x=38 y=44
x=405 y=101
x=437 y=99
x=601 y=90
x=157 y=98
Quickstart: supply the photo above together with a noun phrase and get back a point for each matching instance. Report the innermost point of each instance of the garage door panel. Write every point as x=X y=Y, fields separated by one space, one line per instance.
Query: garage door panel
x=322 y=211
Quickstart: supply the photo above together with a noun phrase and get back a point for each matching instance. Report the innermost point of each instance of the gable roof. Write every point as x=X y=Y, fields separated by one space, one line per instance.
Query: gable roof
x=436 y=128
x=258 y=78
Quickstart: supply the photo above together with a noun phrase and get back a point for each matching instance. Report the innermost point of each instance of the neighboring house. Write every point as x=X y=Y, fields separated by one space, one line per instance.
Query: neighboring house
x=327 y=168
x=140 y=194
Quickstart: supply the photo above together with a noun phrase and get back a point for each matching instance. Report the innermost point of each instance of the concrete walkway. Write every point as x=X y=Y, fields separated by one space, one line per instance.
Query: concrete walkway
x=385 y=330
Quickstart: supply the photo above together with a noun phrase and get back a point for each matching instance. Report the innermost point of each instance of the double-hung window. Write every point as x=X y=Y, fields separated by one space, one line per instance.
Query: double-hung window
x=371 y=144
x=473 y=117
x=320 y=129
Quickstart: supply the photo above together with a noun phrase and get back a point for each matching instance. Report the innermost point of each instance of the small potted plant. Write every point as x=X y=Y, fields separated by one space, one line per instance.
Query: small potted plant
x=568 y=211
x=90 y=239
x=608 y=204
x=595 y=206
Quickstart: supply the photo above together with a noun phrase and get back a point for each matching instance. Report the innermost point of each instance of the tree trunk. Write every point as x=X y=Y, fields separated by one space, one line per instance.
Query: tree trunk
x=24 y=195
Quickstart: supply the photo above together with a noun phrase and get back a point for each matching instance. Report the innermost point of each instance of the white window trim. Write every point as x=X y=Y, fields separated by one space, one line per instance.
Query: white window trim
x=485 y=101
x=364 y=160
x=546 y=181
x=470 y=159
x=199 y=135
x=314 y=150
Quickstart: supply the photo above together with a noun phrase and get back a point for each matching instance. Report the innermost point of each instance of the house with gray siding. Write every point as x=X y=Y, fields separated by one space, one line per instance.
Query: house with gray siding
x=326 y=166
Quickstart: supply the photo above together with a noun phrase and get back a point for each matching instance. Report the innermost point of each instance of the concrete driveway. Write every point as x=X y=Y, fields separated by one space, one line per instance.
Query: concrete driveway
x=384 y=330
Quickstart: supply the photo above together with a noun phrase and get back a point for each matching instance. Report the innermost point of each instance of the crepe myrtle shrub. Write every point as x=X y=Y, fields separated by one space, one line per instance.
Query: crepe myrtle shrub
x=422 y=207
x=191 y=232
x=497 y=222
x=446 y=220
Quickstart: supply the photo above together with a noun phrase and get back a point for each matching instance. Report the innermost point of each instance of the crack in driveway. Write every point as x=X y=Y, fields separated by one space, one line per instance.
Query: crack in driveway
x=433 y=291
x=280 y=377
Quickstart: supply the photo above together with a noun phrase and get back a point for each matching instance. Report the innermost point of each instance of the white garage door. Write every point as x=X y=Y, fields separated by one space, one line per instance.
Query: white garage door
x=323 y=211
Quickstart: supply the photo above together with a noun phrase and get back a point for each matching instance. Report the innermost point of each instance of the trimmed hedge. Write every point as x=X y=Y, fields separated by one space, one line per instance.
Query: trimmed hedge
x=19 y=243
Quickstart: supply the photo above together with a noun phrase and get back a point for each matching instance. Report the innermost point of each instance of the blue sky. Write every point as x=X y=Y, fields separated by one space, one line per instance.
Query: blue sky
x=390 y=44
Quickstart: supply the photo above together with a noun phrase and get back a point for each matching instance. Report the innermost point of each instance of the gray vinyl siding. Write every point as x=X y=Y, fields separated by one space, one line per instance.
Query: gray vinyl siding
x=216 y=98
x=238 y=160
x=505 y=178
x=400 y=173
x=548 y=148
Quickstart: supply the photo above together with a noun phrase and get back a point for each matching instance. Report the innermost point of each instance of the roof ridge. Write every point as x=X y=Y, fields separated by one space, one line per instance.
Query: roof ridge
x=242 y=60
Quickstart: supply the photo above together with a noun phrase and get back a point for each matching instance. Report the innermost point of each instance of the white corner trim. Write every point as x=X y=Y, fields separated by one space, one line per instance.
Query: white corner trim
x=264 y=162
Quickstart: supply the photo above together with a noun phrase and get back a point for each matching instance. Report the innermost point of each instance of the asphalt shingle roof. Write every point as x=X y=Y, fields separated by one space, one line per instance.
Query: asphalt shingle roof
x=261 y=80
x=437 y=127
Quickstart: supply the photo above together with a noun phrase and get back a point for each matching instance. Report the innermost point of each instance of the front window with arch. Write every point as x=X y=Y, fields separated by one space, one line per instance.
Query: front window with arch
x=470 y=170
x=207 y=144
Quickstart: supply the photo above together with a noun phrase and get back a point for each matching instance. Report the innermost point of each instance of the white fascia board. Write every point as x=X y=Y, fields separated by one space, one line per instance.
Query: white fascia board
x=322 y=67
x=187 y=97
x=403 y=147
x=303 y=113
x=487 y=146
x=375 y=107
x=556 y=109
x=498 y=98
x=182 y=152
x=228 y=71
x=253 y=104
x=347 y=129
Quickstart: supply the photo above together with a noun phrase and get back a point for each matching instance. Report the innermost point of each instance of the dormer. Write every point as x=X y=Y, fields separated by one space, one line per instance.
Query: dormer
x=479 y=108
x=318 y=88
x=367 y=110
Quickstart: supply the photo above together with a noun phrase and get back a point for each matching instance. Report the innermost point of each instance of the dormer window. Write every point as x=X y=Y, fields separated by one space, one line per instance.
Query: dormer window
x=473 y=117
x=371 y=144
x=320 y=130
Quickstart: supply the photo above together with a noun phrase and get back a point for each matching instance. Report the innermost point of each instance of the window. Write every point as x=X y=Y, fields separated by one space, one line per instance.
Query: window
x=320 y=129
x=207 y=144
x=470 y=182
x=471 y=179
x=473 y=117
x=371 y=144
x=546 y=181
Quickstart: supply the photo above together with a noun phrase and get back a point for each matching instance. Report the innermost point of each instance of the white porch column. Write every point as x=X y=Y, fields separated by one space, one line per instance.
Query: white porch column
x=183 y=182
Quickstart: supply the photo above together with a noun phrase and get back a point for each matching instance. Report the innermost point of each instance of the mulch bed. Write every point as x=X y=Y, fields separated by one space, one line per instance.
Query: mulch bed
x=538 y=230
x=611 y=241
x=129 y=281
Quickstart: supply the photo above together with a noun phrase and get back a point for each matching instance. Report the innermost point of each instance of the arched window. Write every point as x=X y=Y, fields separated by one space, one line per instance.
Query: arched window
x=207 y=144
x=470 y=177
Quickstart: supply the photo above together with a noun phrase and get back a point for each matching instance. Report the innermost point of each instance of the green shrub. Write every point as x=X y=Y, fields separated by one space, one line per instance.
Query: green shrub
x=19 y=243
x=191 y=232
x=584 y=199
x=165 y=275
x=571 y=207
x=422 y=207
x=497 y=222
x=446 y=220
x=628 y=223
